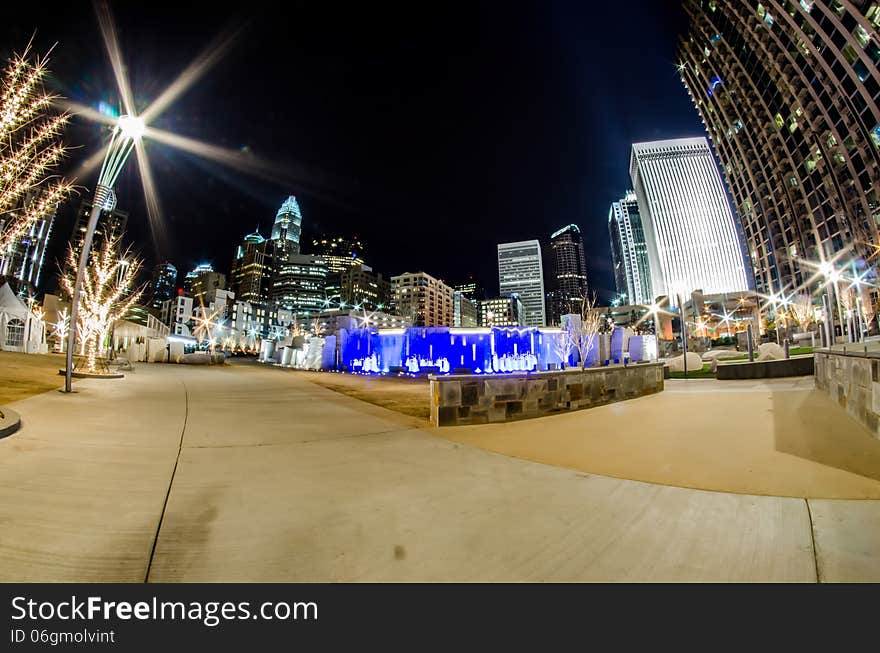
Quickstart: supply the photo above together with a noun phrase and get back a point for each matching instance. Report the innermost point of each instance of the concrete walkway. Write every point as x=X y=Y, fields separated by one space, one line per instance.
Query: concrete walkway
x=275 y=479
x=778 y=437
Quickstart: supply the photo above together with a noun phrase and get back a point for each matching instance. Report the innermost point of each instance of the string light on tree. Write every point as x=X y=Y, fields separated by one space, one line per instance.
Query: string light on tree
x=106 y=295
x=30 y=148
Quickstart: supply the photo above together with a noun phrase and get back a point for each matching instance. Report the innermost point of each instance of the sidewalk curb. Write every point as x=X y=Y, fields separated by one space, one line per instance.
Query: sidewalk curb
x=10 y=422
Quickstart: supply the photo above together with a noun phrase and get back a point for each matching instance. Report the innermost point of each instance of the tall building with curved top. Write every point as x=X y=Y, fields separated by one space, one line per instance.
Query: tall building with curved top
x=690 y=230
x=288 y=226
x=790 y=96
x=566 y=272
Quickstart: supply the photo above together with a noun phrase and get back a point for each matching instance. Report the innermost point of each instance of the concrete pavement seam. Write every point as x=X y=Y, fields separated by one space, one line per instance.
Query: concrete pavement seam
x=170 y=482
x=813 y=541
x=284 y=444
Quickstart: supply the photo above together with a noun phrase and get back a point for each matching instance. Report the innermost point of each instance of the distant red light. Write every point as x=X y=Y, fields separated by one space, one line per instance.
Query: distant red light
x=180 y=291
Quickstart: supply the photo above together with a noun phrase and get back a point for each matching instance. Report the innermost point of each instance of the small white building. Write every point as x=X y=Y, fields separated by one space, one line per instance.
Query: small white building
x=20 y=329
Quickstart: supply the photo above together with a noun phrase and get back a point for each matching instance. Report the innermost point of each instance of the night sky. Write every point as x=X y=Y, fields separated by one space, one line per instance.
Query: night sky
x=432 y=131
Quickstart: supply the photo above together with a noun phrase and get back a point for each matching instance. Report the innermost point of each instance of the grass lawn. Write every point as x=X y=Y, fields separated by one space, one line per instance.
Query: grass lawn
x=24 y=375
x=403 y=394
x=707 y=373
x=704 y=373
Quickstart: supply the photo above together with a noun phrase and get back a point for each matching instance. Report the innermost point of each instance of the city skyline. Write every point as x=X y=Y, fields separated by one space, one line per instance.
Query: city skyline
x=528 y=191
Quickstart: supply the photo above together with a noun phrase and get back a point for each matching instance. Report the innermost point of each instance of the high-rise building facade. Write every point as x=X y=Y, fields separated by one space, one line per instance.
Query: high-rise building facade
x=203 y=282
x=299 y=284
x=629 y=251
x=287 y=229
x=252 y=269
x=690 y=230
x=520 y=271
x=502 y=312
x=465 y=311
x=111 y=223
x=162 y=284
x=566 y=272
x=470 y=288
x=22 y=262
x=422 y=299
x=360 y=286
x=789 y=94
x=339 y=253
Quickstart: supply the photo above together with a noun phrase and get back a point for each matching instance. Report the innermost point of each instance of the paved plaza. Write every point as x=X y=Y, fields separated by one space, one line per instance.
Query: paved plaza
x=247 y=473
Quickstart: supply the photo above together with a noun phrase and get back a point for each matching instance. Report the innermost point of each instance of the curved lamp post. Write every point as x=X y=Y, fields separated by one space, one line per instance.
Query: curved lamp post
x=127 y=131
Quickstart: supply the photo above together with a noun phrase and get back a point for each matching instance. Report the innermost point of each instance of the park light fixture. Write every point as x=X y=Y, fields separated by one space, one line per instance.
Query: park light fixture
x=126 y=133
x=132 y=127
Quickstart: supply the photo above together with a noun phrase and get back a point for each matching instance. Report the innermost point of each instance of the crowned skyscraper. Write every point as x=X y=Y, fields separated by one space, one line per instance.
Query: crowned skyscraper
x=288 y=227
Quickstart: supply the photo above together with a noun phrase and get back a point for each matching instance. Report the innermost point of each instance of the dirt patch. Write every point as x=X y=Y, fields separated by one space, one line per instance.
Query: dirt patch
x=25 y=375
x=403 y=394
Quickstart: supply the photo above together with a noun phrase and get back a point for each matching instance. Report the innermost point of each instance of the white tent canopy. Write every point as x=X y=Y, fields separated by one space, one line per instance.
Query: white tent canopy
x=20 y=330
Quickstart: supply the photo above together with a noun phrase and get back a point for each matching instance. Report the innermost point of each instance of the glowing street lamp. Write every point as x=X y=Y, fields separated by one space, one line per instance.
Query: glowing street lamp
x=126 y=133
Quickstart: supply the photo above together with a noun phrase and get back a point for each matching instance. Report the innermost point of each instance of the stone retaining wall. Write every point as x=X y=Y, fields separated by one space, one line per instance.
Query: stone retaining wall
x=479 y=399
x=794 y=366
x=852 y=379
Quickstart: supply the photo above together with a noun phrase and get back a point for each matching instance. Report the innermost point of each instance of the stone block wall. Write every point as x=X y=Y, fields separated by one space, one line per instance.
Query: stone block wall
x=853 y=381
x=479 y=399
x=794 y=366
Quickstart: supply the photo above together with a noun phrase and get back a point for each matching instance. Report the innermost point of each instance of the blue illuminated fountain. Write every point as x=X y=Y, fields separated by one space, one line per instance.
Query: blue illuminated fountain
x=445 y=350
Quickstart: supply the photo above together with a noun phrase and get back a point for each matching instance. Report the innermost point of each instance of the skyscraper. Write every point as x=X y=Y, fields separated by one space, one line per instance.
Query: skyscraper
x=465 y=311
x=566 y=272
x=111 y=223
x=252 y=269
x=789 y=92
x=690 y=230
x=629 y=252
x=360 y=286
x=470 y=288
x=339 y=252
x=520 y=271
x=22 y=262
x=501 y=311
x=422 y=299
x=162 y=284
x=288 y=227
x=203 y=282
x=299 y=284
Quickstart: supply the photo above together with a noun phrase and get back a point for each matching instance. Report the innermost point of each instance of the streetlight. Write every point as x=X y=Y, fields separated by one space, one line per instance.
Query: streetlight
x=832 y=277
x=126 y=133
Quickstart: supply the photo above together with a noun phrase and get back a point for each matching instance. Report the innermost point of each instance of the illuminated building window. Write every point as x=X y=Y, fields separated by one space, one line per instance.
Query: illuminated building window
x=861 y=35
x=873 y=15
